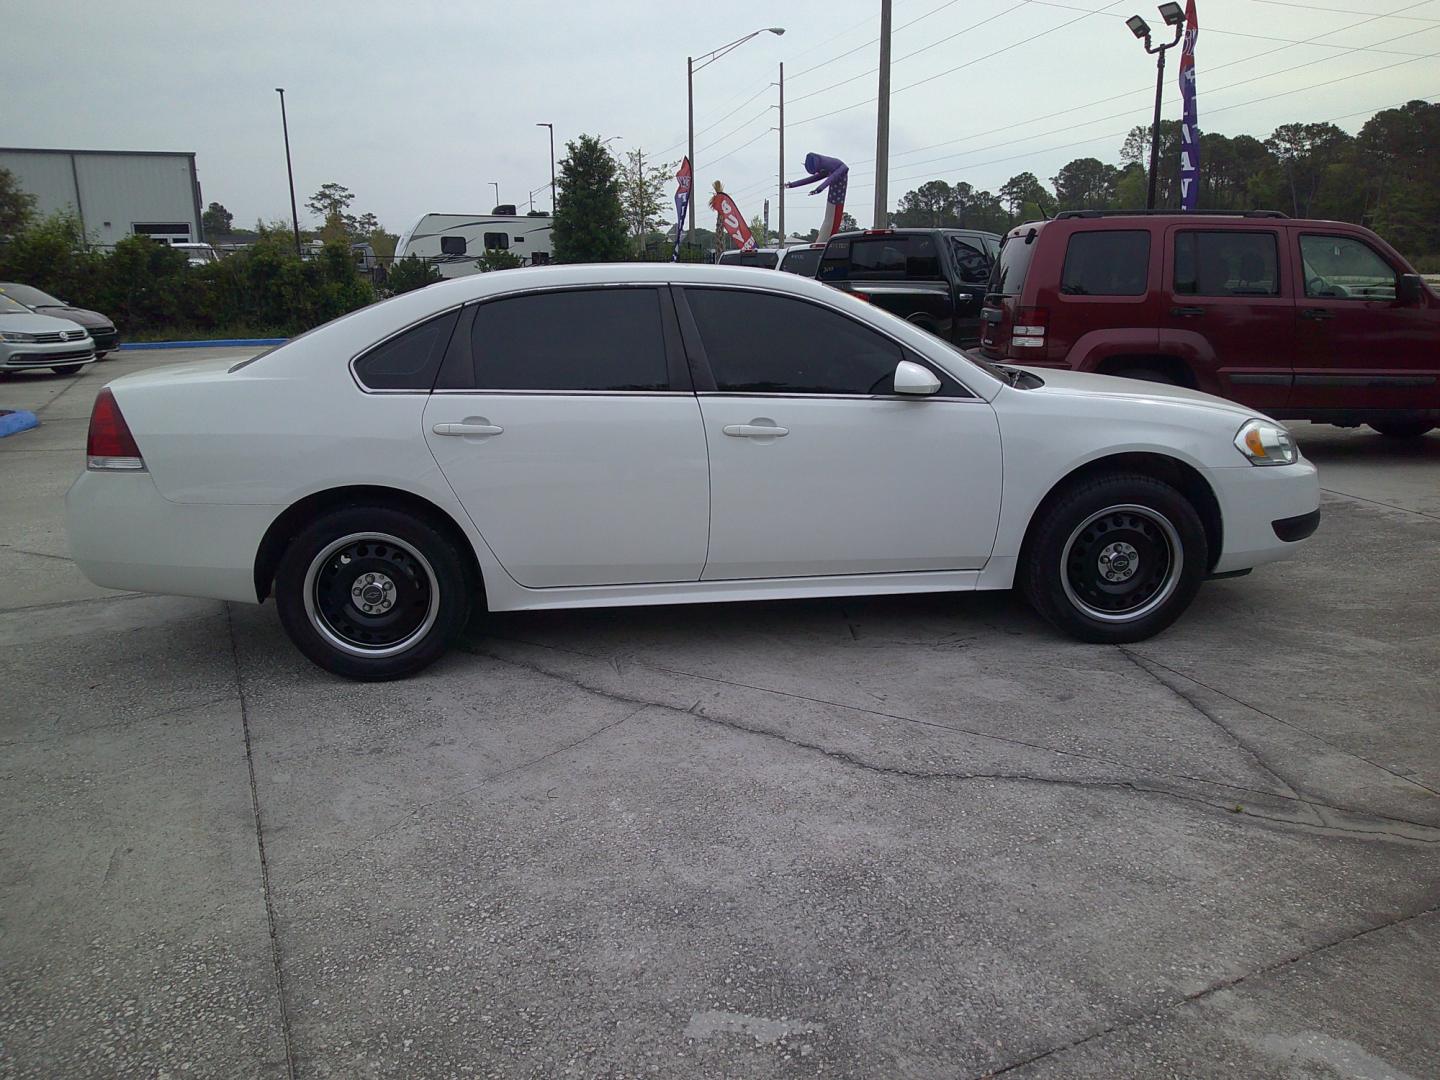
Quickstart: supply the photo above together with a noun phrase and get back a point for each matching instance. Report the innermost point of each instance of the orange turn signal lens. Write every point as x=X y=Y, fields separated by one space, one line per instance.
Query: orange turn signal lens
x=1253 y=441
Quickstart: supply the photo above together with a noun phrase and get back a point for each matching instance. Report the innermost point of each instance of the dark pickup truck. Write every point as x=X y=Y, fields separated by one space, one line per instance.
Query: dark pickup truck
x=935 y=278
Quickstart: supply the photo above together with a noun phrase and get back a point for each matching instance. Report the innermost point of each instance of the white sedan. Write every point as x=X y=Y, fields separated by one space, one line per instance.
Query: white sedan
x=603 y=435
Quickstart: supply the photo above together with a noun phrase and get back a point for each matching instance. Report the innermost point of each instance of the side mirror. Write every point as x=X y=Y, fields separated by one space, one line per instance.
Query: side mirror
x=912 y=378
x=1409 y=288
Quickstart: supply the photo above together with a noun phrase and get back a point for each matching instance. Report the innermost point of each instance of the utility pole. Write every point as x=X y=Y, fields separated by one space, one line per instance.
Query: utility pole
x=690 y=109
x=882 y=122
x=552 y=168
x=289 y=171
x=766 y=241
x=782 y=154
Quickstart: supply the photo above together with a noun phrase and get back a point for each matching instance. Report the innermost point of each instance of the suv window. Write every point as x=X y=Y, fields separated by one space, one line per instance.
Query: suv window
x=882 y=258
x=1228 y=263
x=766 y=259
x=1110 y=263
x=1341 y=267
x=1007 y=276
x=802 y=261
x=763 y=344
x=409 y=360
x=972 y=264
x=584 y=339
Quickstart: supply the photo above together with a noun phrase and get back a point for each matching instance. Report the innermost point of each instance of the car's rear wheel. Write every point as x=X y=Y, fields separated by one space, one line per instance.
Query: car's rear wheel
x=1115 y=558
x=67 y=369
x=369 y=592
x=1403 y=429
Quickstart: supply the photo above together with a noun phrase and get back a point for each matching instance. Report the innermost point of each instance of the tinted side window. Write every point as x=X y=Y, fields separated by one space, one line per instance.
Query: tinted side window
x=593 y=339
x=452 y=245
x=802 y=261
x=835 y=264
x=1228 y=263
x=764 y=344
x=408 y=361
x=971 y=264
x=1106 y=264
x=1346 y=268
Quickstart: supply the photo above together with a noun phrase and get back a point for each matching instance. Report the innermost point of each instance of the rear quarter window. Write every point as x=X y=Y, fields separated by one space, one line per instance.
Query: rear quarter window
x=1107 y=263
x=410 y=360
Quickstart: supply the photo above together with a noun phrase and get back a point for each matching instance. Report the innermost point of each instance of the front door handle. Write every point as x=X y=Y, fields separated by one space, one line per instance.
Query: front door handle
x=467 y=429
x=1186 y=312
x=755 y=431
x=1316 y=313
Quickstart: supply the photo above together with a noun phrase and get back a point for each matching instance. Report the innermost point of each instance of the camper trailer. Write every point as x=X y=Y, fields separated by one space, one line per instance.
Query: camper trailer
x=454 y=241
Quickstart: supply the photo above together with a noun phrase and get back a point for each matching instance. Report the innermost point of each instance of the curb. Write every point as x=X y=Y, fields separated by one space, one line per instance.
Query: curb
x=17 y=420
x=220 y=343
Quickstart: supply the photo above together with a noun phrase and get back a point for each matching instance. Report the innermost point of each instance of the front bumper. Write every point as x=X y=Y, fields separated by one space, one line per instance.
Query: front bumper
x=1256 y=503
x=105 y=340
x=19 y=355
x=125 y=535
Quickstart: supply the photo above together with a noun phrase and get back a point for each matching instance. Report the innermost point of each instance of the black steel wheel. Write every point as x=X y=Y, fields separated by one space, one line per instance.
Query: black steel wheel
x=1115 y=558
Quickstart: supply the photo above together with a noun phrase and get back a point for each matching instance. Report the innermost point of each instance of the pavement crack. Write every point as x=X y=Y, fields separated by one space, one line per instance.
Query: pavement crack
x=131 y=722
x=260 y=845
x=1379 y=502
x=37 y=554
x=1224 y=984
x=1287 y=723
x=1399 y=829
x=75 y=603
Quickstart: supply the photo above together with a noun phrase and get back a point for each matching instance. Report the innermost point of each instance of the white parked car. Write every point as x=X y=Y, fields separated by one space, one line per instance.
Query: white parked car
x=603 y=435
x=29 y=340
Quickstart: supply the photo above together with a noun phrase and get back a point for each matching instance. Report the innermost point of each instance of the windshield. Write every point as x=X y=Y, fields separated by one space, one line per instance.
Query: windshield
x=1008 y=276
x=30 y=295
x=12 y=307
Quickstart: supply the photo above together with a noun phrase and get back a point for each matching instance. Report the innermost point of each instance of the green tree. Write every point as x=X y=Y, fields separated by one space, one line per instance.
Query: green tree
x=498 y=259
x=1023 y=196
x=331 y=200
x=1085 y=184
x=216 y=221
x=17 y=206
x=642 y=194
x=410 y=273
x=589 y=223
x=931 y=205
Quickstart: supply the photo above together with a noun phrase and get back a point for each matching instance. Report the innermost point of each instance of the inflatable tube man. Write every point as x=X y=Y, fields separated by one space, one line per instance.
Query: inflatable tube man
x=832 y=174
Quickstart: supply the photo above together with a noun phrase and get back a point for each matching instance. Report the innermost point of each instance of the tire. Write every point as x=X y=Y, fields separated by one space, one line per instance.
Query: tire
x=101 y=355
x=1142 y=531
x=67 y=369
x=1147 y=375
x=1403 y=429
x=361 y=554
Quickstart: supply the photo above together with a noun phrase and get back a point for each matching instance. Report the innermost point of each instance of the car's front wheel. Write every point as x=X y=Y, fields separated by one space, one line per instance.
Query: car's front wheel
x=1115 y=558
x=67 y=369
x=369 y=592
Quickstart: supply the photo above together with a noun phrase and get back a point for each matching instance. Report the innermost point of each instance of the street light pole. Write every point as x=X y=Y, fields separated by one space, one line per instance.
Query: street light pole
x=496 y=186
x=782 y=154
x=882 y=121
x=552 y=165
x=690 y=68
x=289 y=170
x=1174 y=16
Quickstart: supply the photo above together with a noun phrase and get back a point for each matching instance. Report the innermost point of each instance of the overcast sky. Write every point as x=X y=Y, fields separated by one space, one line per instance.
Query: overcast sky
x=418 y=106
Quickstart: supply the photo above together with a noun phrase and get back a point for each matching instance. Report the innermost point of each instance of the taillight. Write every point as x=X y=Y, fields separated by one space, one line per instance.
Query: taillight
x=110 y=444
x=858 y=295
x=1029 y=329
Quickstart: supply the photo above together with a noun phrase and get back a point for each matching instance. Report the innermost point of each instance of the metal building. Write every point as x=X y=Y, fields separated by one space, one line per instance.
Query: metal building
x=115 y=193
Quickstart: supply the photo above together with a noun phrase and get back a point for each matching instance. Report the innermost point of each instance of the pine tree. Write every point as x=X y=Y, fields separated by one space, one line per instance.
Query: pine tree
x=589 y=224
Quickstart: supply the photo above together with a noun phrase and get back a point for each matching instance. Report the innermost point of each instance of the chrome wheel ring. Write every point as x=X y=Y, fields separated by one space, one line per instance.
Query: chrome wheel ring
x=371 y=594
x=1121 y=563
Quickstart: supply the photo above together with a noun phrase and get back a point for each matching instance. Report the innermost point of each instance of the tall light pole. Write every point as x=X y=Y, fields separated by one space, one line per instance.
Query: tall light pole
x=289 y=170
x=496 y=186
x=782 y=154
x=1174 y=16
x=882 y=122
x=552 y=165
x=692 y=66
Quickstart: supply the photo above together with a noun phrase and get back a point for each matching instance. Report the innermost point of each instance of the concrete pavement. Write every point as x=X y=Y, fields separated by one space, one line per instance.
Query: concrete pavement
x=896 y=837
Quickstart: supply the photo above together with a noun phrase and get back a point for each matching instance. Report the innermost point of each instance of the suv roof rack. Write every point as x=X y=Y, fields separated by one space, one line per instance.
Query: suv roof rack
x=1176 y=213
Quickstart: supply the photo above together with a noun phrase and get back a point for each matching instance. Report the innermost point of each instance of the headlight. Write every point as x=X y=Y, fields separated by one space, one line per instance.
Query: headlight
x=9 y=336
x=1265 y=442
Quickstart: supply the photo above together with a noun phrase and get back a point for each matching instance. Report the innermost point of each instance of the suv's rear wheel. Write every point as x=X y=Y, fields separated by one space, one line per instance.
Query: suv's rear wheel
x=1116 y=558
x=371 y=593
x=1403 y=429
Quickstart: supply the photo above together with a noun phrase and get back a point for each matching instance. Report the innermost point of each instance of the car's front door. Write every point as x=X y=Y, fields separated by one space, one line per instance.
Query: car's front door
x=816 y=466
x=571 y=435
x=1229 y=287
x=1360 y=348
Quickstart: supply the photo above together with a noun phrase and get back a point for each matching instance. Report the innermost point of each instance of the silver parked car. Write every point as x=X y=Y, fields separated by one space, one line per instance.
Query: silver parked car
x=29 y=340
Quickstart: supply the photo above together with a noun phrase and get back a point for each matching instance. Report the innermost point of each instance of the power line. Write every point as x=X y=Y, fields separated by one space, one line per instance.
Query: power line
x=1346 y=11
x=733 y=131
x=874 y=41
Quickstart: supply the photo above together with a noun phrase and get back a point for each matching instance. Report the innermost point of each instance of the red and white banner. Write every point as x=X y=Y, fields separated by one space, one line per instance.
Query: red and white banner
x=732 y=220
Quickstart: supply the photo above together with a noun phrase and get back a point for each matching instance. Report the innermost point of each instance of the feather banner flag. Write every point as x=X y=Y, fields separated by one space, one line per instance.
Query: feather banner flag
x=683 y=184
x=731 y=218
x=1189 y=124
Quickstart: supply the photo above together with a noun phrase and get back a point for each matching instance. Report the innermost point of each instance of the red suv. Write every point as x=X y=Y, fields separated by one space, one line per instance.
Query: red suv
x=1307 y=320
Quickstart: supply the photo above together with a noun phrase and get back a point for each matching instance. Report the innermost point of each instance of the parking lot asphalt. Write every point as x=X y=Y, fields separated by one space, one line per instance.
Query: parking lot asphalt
x=908 y=837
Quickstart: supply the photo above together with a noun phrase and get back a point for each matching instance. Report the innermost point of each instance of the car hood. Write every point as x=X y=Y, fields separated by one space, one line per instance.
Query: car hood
x=1064 y=381
x=91 y=320
x=36 y=324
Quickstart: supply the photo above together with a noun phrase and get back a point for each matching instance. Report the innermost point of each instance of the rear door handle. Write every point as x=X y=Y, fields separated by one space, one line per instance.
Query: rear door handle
x=755 y=431
x=468 y=429
x=1316 y=313
x=1187 y=311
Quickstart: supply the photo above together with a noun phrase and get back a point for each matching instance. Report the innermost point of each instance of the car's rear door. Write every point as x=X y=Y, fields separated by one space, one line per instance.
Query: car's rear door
x=569 y=431
x=1359 y=347
x=816 y=466
x=969 y=271
x=1229 y=307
